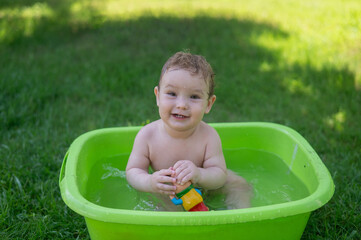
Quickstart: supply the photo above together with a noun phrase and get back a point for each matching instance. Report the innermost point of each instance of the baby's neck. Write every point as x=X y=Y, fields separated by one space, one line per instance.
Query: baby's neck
x=178 y=134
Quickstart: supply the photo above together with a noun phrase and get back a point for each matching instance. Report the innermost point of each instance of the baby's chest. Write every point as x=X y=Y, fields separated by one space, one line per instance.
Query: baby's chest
x=166 y=154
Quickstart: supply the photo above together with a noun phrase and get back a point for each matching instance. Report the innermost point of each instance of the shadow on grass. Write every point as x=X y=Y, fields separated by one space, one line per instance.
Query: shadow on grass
x=72 y=75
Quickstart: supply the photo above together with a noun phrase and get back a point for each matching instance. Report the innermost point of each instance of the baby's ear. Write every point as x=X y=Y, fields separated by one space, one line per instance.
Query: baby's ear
x=156 y=92
x=210 y=102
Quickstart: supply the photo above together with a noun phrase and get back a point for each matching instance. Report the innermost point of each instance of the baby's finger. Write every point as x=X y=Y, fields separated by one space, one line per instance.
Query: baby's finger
x=186 y=178
x=180 y=164
x=166 y=179
x=166 y=192
x=180 y=169
x=173 y=172
x=166 y=172
x=166 y=188
x=177 y=164
x=182 y=175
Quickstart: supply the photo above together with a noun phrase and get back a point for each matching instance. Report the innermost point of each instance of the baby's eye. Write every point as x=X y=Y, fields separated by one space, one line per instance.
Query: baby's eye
x=172 y=94
x=195 y=97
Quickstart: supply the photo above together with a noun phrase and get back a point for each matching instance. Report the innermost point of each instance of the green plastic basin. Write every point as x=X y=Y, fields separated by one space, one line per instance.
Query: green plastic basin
x=286 y=220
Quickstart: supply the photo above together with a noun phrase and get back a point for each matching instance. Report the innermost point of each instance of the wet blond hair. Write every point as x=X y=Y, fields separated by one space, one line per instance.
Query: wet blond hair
x=194 y=64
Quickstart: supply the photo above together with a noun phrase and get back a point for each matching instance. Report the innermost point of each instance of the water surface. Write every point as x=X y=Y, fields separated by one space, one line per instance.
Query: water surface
x=271 y=180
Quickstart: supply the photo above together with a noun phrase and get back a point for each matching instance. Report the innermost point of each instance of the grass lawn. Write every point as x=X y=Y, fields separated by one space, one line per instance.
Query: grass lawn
x=71 y=66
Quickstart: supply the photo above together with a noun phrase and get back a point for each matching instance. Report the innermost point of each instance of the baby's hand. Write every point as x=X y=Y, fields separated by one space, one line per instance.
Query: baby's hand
x=185 y=171
x=162 y=181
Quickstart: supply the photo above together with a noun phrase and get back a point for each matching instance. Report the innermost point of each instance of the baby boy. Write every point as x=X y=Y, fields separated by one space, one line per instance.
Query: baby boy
x=180 y=147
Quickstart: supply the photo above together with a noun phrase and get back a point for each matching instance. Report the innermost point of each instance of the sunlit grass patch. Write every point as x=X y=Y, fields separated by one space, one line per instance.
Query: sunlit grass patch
x=22 y=21
x=337 y=121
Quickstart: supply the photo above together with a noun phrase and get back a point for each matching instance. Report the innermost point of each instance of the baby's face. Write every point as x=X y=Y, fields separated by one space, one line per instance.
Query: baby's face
x=182 y=99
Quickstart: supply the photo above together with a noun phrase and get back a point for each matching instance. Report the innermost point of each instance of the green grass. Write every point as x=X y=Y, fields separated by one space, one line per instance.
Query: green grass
x=67 y=67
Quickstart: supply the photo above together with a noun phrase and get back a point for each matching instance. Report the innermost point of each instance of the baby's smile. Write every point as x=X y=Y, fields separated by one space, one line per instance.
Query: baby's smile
x=179 y=116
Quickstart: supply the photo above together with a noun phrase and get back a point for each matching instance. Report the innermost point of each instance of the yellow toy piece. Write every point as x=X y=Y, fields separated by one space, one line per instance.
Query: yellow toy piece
x=191 y=199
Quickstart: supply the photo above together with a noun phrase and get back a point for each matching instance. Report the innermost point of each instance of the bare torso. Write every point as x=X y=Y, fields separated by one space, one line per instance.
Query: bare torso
x=165 y=151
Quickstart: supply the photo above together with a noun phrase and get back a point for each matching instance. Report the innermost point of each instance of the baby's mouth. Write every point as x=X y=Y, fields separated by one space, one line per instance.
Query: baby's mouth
x=180 y=116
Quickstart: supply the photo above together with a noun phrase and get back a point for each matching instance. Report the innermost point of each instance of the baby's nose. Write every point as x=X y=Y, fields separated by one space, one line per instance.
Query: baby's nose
x=182 y=103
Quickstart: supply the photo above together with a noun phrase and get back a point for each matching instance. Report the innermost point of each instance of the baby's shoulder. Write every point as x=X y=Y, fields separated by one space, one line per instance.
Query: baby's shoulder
x=148 y=131
x=208 y=131
x=150 y=128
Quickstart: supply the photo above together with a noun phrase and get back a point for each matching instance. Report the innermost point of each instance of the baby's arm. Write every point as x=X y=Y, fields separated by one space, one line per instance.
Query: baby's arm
x=137 y=169
x=212 y=174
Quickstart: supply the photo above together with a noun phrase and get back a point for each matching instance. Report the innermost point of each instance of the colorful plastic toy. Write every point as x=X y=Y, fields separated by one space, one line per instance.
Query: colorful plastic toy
x=189 y=197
